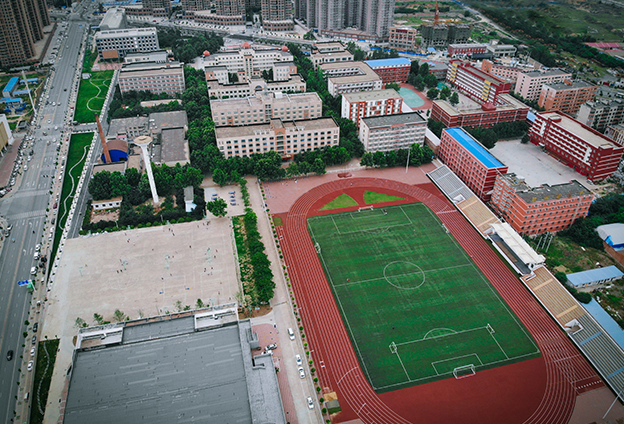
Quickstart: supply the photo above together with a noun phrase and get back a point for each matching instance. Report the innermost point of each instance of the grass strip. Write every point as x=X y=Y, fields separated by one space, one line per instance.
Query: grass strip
x=46 y=357
x=342 y=201
x=372 y=197
x=91 y=96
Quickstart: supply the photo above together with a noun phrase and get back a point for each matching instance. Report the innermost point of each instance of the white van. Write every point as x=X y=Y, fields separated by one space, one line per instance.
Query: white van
x=291 y=334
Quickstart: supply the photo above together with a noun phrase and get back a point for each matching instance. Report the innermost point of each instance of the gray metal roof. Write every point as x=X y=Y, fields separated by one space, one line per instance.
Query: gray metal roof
x=594 y=275
x=166 y=372
x=396 y=119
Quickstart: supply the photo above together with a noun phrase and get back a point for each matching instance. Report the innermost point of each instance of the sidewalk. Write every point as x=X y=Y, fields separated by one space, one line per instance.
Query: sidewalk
x=8 y=160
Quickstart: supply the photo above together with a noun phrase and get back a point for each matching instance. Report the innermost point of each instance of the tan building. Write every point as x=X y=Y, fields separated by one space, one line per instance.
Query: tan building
x=403 y=38
x=217 y=90
x=284 y=137
x=567 y=96
x=195 y=5
x=329 y=52
x=350 y=77
x=21 y=26
x=601 y=113
x=155 y=77
x=248 y=62
x=265 y=106
x=529 y=83
x=507 y=68
x=392 y=132
x=207 y=17
x=616 y=133
x=115 y=44
x=363 y=104
x=277 y=15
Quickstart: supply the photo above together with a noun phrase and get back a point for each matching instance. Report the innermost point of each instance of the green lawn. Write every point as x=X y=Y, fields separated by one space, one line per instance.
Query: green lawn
x=46 y=356
x=342 y=201
x=91 y=95
x=78 y=149
x=371 y=197
x=415 y=305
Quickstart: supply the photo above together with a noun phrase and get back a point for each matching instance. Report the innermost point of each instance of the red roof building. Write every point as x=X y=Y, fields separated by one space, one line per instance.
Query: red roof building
x=539 y=209
x=474 y=83
x=581 y=147
x=466 y=48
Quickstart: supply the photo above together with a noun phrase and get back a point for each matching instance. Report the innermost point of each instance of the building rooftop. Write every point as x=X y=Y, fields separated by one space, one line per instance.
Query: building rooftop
x=11 y=84
x=113 y=33
x=579 y=130
x=397 y=119
x=366 y=73
x=306 y=124
x=170 y=371
x=397 y=61
x=364 y=96
x=519 y=247
x=613 y=234
x=165 y=120
x=474 y=147
x=149 y=68
x=262 y=97
x=543 y=72
x=113 y=19
x=570 y=85
x=120 y=125
x=173 y=147
x=609 y=325
x=329 y=46
x=467 y=105
x=545 y=192
x=594 y=275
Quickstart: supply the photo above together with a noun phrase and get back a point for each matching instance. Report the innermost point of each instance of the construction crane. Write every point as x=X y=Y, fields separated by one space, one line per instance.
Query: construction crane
x=436 y=19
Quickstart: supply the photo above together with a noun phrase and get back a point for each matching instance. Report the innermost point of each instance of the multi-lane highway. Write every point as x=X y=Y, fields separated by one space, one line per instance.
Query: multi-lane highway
x=25 y=210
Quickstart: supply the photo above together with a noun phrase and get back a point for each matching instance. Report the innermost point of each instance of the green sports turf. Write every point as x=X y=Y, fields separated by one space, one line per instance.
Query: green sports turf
x=342 y=201
x=372 y=197
x=400 y=278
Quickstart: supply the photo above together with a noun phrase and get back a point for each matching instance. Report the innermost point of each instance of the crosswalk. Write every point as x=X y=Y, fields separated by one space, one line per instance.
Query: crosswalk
x=26 y=215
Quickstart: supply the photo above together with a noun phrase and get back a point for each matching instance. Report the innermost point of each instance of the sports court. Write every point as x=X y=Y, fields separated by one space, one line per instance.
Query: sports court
x=416 y=307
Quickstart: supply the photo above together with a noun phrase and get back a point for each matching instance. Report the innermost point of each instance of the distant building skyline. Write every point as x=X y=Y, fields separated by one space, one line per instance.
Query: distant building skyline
x=21 y=26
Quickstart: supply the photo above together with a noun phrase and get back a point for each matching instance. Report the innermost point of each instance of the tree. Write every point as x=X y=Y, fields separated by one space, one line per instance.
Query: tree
x=219 y=176
x=199 y=304
x=561 y=276
x=318 y=166
x=99 y=319
x=423 y=71
x=454 y=99
x=80 y=323
x=432 y=93
x=367 y=160
x=525 y=139
x=119 y=316
x=232 y=77
x=430 y=81
x=217 y=207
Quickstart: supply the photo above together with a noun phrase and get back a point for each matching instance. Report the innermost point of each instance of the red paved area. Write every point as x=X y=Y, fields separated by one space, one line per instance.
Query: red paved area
x=267 y=334
x=541 y=390
x=428 y=103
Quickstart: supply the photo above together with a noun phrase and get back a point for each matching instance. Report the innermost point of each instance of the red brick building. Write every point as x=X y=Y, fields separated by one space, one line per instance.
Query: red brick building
x=470 y=161
x=581 y=147
x=471 y=114
x=539 y=209
x=474 y=83
x=454 y=49
x=391 y=70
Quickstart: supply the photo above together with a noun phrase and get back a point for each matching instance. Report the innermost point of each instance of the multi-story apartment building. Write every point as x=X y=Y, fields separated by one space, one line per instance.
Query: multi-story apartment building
x=363 y=104
x=231 y=8
x=474 y=83
x=507 y=69
x=284 y=137
x=402 y=38
x=377 y=17
x=391 y=70
x=159 y=56
x=392 y=132
x=529 y=83
x=115 y=18
x=21 y=26
x=466 y=49
x=195 y=5
x=436 y=68
x=471 y=114
x=536 y=210
x=502 y=50
x=616 y=133
x=566 y=96
x=277 y=15
x=589 y=152
x=217 y=90
x=150 y=76
x=248 y=63
x=442 y=35
x=350 y=77
x=117 y=43
x=601 y=113
x=472 y=162
x=265 y=106
x=329 y=52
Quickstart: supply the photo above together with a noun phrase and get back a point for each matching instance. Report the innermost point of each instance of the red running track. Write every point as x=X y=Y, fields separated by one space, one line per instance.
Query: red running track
x=541 y=390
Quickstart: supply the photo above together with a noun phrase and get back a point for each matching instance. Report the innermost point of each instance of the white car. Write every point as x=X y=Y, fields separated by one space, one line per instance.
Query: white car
x=310 y=402
x=301 y=372
x=49 y=121
x=30 y=365
x=298 y=360
x=37 y=248
x=32 y=352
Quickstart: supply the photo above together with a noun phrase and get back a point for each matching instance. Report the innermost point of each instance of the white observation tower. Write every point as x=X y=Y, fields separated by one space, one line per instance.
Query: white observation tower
x=143 y=141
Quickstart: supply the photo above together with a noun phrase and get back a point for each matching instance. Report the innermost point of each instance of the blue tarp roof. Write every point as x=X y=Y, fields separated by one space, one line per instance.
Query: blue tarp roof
x=388 y=62
x=473 y=147
x=29 y=80
x=604 y=319
x=7 y=100
x=11 y=84
x=530 y=116
x=586 y=277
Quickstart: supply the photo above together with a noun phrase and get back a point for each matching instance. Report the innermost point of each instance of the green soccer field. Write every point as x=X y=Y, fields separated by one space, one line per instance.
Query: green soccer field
x=416 y=307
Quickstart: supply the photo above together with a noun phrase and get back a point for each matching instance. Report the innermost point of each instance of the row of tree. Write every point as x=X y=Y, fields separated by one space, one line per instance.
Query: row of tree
x=417 y=154
x=187 y=49
x=130 y=104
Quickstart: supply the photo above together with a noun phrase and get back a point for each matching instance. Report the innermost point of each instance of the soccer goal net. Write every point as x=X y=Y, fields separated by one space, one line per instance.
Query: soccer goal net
x=365 y=208
x=464 y=371
x=317 y=247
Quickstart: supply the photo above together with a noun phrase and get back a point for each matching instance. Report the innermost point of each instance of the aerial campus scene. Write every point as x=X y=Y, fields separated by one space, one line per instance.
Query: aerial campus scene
x=350 y=211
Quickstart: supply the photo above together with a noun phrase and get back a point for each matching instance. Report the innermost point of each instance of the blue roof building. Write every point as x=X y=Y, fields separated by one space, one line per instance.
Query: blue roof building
x=612 y=234
x=609 y=325
x=391 y=70
x=594 y=277
x=470 y=161
x=8 y=89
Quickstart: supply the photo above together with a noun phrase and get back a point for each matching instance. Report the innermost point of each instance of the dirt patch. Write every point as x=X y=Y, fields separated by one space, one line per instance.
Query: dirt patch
x=108 y=215
x=261 y=311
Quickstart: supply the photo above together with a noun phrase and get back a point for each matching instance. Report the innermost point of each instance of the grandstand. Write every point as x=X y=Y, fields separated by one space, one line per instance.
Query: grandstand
x=450 y=184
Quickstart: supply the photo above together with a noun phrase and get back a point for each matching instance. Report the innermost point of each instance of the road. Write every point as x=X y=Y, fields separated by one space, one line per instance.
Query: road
x=25 y=210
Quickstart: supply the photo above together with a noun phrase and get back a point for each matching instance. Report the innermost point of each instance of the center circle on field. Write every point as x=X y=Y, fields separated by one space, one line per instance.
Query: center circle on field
x=404 y=275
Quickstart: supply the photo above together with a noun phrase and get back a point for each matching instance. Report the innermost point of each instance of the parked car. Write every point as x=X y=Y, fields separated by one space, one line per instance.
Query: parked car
x=298 y=360
x=291 y=334
x=32 y=351
x=35 y=327
x=34 y=339
x=310 y=402
x=30 y=365
x=301 y=372
x=272 y=346
x=9 y=355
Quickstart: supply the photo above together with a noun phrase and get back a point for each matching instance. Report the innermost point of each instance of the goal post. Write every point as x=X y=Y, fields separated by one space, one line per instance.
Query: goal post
x=365 y=208
x=464 y=371
x=393 y=348
x=317 y=247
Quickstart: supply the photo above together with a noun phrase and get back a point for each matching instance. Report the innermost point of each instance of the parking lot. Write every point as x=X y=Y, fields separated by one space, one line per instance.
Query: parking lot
x=535 y=165
x=230 y=193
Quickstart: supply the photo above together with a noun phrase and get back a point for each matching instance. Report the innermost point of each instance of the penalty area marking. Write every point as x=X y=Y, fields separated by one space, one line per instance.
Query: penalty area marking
x=452 y=359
